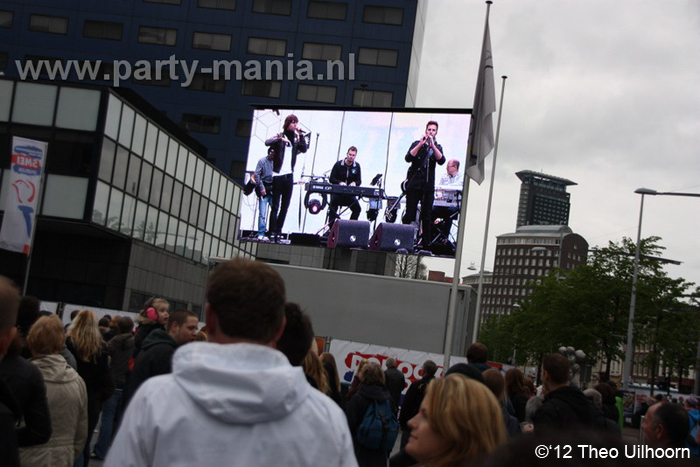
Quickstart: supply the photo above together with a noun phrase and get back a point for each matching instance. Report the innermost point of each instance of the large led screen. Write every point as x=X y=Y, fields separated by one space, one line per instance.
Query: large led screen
x=382 y=139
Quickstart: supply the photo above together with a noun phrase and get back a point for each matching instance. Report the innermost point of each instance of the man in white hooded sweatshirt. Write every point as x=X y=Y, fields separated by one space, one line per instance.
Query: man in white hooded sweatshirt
x=235 y=400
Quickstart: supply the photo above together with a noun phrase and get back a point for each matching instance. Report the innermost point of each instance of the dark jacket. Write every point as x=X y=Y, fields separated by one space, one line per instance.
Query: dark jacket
x=155 y=359
x=9 y=415
x=421 y=173
x=98 y=380
x=510 y=422
x=120 y=349
x=298 y=145
x=27 y=385
x=412 y=400
x=341 y=172
x=565 y=408
x=145 y=328
x=357 y=407
x=395 y=384
x=519 y=402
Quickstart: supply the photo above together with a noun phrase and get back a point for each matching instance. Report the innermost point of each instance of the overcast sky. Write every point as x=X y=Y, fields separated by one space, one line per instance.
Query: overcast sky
x=606 y=94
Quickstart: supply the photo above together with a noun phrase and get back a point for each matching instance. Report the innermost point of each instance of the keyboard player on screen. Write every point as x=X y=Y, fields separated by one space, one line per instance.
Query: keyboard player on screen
x=345 y=172
x=449 y=187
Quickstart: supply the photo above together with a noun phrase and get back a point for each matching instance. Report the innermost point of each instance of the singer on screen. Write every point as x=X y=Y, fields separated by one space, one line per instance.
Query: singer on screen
x=283 y=171
x=420 y=181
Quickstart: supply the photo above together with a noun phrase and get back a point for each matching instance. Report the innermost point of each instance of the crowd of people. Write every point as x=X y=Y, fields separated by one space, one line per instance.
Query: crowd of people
x=259 y=391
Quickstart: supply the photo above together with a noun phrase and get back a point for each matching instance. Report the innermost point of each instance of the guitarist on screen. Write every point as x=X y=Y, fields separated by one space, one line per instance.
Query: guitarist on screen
x=263 y=188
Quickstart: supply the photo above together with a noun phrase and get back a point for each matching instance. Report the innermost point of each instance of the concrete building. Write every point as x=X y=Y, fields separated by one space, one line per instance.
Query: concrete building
x=543 y=199
x=130 y=206
x=523 y=257
x=375 y=48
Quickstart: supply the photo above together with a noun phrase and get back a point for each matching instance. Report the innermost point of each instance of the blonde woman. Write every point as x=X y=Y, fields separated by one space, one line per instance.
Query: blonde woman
x=458 y=421
x=66 y=395
x=86 y=344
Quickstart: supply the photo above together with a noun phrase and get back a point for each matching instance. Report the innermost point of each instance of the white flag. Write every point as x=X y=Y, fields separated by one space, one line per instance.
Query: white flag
x=481 y=128
x=23 y=194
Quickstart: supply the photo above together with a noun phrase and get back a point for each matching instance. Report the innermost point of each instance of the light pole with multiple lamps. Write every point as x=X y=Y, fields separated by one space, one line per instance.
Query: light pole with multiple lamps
x=629 y=351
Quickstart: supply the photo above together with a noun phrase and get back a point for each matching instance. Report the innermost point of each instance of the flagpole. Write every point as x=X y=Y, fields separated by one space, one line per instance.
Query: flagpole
x=477 y=315
x=39 y=205
x=452 y=307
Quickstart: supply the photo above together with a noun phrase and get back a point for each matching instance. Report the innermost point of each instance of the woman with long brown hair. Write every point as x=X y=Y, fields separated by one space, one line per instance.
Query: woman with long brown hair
x=85 y=342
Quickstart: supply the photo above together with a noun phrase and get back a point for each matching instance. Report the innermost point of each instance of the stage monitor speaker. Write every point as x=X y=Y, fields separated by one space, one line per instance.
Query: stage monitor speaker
x=392 y=237
x=348 y=234
x=305 y=239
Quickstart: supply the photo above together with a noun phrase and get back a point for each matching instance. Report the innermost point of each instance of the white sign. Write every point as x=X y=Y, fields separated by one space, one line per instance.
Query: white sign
x=23 y=196
x=348 y=356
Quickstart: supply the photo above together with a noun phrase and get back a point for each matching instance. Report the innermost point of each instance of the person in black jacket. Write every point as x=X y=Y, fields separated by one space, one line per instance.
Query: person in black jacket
x=395 y=380
x=420 y=180
x=90 y=351
x=283 y=171
x=120 y=349
x=9 y=409
x=156 y=356
x=564 y=407
x=27 y=385
x=373 y=389
x=345 y=172
x=414 y=396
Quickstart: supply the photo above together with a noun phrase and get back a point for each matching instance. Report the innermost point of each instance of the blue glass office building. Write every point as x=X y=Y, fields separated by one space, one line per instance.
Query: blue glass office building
x=371 y=42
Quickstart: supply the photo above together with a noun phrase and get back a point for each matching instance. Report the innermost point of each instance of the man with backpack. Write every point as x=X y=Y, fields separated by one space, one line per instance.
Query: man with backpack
x=372 y=419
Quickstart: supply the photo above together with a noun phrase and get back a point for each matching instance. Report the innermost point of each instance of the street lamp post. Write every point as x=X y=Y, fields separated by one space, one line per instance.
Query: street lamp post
x=629 y=351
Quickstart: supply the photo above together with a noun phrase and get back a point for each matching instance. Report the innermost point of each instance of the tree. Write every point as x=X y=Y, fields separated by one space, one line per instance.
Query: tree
x=411 y=267
x=588 y=308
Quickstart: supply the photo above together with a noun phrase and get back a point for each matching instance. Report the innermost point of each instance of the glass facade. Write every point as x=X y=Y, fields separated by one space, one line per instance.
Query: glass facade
x=134 y=178
x=155 y=189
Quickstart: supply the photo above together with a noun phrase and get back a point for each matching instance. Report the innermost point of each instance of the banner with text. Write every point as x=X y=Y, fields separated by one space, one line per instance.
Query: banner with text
x=348 y=356
x=23 y=194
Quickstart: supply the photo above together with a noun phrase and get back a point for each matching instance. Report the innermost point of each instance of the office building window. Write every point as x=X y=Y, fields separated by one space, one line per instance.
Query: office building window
x=315 y=93
x=217 y=4
x=366 y=98
x=243 y=127
x=3 y=60
x=383 y=15
x=6 y=18
x=158 y=36
x=260 y=46
x=273 y=7
x=262 y=88
x=201 y=123
x=210 y=41
x=50 y=24
x=313 y=51
x=378 y=57
x=328 y=10
x=167 y=2
x=207 y=82
x=103 y=30
x=151 y=77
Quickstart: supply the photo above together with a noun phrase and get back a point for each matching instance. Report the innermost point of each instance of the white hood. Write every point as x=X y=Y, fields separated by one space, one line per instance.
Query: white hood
x=240 y=383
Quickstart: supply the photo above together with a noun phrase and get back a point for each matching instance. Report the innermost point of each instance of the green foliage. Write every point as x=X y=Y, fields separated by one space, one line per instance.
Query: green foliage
x=588 y=308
